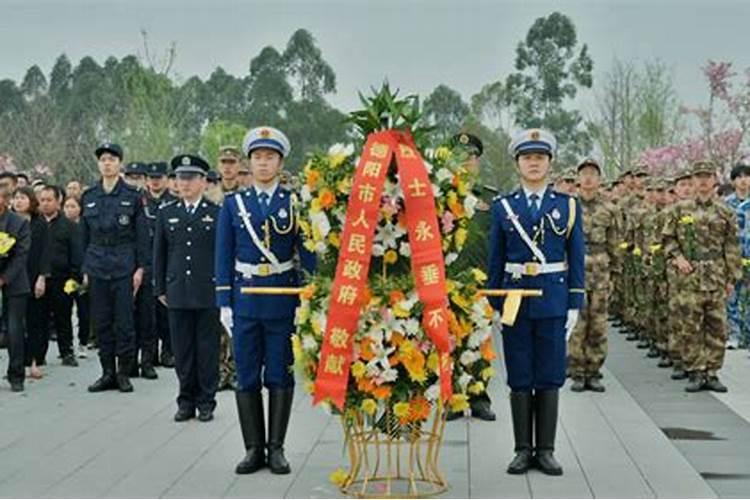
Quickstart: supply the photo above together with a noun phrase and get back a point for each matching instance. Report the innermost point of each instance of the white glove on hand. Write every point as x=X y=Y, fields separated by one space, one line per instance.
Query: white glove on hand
x=570 y=323
x=225 y=316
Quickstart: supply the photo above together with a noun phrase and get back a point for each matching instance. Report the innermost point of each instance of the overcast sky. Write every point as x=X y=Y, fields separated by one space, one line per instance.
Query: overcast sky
x=415 y=44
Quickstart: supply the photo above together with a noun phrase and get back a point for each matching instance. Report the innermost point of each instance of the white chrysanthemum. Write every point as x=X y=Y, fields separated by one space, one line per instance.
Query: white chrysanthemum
x=341 y=149
x=412 y=327
x=443 y=175
x=377 y=250
x=468 y=358
x=436 y=191
x=389 y=375
x=432 y=393
x=320 y=223
x=305 y=194
x=464 y=380
x=405 y=249
x=450 y=258
x=470 y=205
x=474 y=340
x=309 y=343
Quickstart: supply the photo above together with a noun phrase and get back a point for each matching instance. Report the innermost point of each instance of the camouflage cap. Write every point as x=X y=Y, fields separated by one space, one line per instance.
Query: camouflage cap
x=682 y=173
x=229 y=153
x=569 y=174
x=703 y=167
x=589 y=162
x=640 y=169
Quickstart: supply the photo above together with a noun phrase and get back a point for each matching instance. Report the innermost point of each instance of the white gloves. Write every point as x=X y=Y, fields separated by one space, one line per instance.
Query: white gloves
x=570 y=323
x=225 y=316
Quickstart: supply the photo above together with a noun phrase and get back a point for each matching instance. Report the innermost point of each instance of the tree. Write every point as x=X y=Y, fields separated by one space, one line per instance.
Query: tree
x=446 y=111
x=312 y=76
x=550 y=68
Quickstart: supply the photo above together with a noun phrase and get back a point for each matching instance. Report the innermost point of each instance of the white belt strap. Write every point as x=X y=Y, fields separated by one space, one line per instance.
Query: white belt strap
x=249 y=270
x=534 y=268
x=253 y=235
x=522 y=232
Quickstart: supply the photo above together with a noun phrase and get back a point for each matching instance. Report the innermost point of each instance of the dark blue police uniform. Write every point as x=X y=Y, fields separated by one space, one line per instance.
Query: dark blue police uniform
x=115 y=242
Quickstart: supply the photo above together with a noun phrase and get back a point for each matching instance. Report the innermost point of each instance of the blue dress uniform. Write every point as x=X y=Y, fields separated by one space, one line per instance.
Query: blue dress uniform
x=537 y=246
x=151 y=317
x=184 y=273
x=115 y=242
x=261 y=255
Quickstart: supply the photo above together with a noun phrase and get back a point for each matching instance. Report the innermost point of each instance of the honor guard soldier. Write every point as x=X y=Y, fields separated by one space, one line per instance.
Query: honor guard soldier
x=152 y=324
x=115 y=242
x=537 y=242
x=184 y=283
x=256 y=244
x=474 y=253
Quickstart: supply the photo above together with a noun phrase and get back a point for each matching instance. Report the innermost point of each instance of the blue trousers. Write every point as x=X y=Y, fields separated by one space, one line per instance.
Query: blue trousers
x=534 y=352
x=263 y=348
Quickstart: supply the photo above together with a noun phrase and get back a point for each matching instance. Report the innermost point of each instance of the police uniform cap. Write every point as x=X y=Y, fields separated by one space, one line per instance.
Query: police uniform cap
x=109 y=147
x=189 y=164
x=213 y=176
x=135 y=168
x=157 y=169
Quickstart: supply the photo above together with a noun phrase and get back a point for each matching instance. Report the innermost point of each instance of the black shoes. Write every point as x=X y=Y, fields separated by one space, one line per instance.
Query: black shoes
x=593 y=384
x=16 y=386
x=123 y=380
x=167 y=359
x=450 y=416
x=665 y=362
x=714 y=384
x=205 y=415
x=69 y=360
x=696 y=382
x=579 y=384
x=183 y=415
x=108 y=381
x=521 y=408
x=481 y=409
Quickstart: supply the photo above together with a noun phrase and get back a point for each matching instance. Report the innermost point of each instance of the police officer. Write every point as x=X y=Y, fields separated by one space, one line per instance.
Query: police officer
x=474 y=253
x=134 y=175
x=184 y=283
x=257 y=241
x=537 y=242
x=115 y=242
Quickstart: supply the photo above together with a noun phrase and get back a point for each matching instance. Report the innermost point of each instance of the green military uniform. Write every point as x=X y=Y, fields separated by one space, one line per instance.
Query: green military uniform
x=475 y=253
x=705 y=234
x=587 y=346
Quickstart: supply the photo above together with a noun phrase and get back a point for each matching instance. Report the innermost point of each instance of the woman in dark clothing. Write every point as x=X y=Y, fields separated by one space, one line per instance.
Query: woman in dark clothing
x=37 y=268
x=72 y=210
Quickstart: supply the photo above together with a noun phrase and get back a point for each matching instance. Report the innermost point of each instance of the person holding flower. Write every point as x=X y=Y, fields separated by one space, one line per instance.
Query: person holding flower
x=15 y=241
x=700 y=239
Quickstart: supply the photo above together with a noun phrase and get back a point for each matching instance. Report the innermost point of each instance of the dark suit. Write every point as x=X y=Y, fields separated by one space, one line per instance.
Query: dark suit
x=184 y=273
x=15 y=290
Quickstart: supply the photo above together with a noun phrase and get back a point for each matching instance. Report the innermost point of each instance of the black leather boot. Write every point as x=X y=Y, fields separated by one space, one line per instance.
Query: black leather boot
x=147 y=365
x=250 y=411
x=125 y=364
x=545 y=415
x=481 y=408
x=107 y=381
x=279 y=411
x=522 y=411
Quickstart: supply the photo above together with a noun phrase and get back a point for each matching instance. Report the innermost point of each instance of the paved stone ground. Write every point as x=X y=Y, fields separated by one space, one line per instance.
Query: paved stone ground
x=643 y=438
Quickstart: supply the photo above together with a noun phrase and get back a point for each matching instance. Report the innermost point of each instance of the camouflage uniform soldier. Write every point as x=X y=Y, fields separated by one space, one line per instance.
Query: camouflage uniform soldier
x=229 y=168
x=635 y=209
x=566 y=182
x=617 y=299
x=474 y=253
x=587 y=346
x=655 y=273
x=701 y=238
x=677 y=293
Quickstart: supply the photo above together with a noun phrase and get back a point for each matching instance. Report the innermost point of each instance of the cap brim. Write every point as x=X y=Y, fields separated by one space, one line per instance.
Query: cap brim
x=189 y=169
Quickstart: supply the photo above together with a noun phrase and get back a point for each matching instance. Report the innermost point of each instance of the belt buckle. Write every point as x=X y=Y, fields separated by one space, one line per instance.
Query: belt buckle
x=264 y=270
x=531 y=268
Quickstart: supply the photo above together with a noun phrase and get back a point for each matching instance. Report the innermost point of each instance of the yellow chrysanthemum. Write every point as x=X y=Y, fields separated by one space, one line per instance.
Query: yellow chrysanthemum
x=333 y=239
x=390 y=257
x=369 y=406
x=459 y=402
x=401 y=409
x=479 y=275
x=336 y=160
x=476 y=388
x=637 y=251
x=358 y=369
x=296 y=347
x=433 y=362
x=70 y=286
x=339 y=477
x=623 y=245
x=687 y=219
x=442 y=153
x=487 y=373
x=654 y=249
x=460 y=237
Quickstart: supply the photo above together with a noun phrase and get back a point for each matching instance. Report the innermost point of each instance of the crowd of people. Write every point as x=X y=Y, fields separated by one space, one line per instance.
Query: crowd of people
x=148 y=262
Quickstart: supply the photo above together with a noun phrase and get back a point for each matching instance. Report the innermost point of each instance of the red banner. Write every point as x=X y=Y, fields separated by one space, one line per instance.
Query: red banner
x=350 y=282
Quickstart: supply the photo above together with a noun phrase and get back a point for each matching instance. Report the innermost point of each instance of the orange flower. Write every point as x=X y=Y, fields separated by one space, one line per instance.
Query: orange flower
x=327 y=198
x=419 y=409
x=364 y=384
x=366 y=295
x=381 y=392
x=457 y=209
x=396 y=296
x=365 y=349
x=488 y=352
x=312 y=178
x=308 y=292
